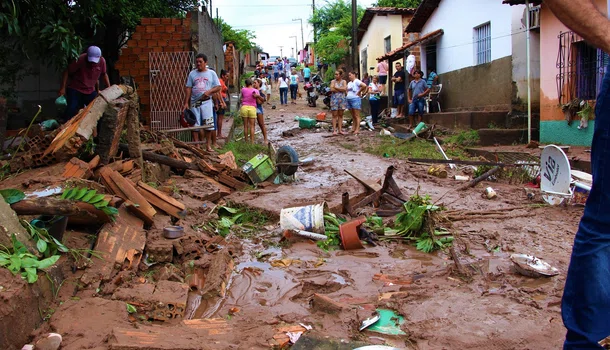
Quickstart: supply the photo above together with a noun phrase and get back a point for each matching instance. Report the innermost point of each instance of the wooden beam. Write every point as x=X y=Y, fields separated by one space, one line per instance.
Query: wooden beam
x=162 y=201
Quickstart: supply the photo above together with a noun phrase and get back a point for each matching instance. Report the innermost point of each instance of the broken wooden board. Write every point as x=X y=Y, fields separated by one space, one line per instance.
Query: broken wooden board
x=120 y=243
x=393 y=280
x=368 y=183
x=217 y=277
x=123 y=188
x=231 y=182
x=83 y=124
x=162 y=201
x=189 y=335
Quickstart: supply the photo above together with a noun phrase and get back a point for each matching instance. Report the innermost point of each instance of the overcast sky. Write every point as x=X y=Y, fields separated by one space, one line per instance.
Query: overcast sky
x=272 y=21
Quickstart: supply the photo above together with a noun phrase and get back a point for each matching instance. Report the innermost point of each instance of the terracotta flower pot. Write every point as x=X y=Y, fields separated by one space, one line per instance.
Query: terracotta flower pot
x=349 y=234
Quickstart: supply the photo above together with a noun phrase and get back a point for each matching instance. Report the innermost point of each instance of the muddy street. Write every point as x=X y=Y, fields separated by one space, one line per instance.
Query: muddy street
x=252 y=285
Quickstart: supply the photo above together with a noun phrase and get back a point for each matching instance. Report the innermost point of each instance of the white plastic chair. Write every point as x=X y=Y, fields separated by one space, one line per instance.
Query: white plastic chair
x=435 y=91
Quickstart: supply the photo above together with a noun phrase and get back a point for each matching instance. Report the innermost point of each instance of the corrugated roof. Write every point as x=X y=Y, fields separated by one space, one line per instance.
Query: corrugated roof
x=370 y=13
x=421 y=16
x=397 y=53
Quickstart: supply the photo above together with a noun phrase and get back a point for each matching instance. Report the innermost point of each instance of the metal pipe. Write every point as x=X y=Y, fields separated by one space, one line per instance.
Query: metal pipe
x=529 y=82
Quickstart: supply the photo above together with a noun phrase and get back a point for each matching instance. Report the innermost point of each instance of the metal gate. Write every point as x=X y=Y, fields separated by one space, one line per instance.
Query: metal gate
x=168 y=73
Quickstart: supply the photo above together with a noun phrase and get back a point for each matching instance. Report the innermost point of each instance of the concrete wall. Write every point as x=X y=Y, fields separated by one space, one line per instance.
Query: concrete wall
x=457 y=19
x=553 y=127
x=207 y=39
x=373 y=39
x=486 y=87
x=38 y=88
x=519 y=47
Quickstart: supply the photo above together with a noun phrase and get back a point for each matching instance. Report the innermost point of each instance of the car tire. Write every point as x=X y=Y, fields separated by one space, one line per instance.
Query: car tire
x=287 y=154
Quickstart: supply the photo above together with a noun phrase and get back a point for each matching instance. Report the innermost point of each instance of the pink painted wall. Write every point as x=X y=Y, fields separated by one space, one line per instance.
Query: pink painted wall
x=550 y=28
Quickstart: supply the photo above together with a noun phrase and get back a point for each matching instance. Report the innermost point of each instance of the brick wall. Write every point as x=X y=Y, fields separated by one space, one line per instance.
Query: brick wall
x=152 y=35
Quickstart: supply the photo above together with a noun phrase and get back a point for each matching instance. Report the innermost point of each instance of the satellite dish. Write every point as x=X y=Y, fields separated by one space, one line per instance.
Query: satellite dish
x=555 y=175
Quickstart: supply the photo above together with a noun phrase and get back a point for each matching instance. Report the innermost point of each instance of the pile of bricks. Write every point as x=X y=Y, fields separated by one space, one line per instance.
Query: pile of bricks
x=152 y=35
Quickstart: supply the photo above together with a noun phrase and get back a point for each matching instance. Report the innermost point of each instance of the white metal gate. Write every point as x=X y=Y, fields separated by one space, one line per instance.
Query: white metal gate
x=168 y=73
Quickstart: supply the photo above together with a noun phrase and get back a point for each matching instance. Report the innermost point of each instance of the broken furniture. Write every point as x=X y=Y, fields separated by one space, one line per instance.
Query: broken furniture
x=388 y=192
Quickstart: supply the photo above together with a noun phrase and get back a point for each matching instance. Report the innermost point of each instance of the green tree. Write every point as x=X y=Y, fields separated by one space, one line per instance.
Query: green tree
x=241 y=38
x=333 y=24
x=56 y=31
x=398 y=3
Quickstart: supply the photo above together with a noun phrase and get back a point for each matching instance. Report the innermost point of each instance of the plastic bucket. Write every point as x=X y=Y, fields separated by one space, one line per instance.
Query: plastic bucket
x=308 y=218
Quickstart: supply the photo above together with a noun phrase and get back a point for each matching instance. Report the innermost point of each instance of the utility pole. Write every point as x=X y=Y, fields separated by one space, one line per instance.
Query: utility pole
x=302 y=37
x=313 y=13
x=295 y=44
x=355 y=35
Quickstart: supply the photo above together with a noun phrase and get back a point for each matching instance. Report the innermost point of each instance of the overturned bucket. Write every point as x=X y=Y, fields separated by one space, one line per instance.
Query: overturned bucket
x=308 y=218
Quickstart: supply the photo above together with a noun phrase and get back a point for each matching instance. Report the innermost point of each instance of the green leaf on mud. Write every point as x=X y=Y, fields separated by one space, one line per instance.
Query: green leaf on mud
x=41 y=245
x=12 y=195
x=48 y=262
x=131 y=309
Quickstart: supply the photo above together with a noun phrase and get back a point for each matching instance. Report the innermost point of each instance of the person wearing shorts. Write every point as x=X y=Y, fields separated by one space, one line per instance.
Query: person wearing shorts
x=201 y=84
x=248 y=110
x=382 y=74
x=355 y=90
x=399 y=79
x=338 y=103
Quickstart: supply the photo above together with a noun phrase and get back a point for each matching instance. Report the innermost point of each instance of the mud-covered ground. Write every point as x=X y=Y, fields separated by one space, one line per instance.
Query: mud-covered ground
x=483 y=304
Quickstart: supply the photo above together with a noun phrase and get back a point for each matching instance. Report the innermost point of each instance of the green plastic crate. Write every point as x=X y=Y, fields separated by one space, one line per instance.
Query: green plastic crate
x=259 y=168
x=307 y=123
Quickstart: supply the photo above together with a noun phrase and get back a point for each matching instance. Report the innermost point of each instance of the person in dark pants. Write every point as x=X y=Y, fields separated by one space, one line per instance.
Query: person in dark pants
x=399 y=79
x=374 y=98
x=80 y=82
x=585 y=306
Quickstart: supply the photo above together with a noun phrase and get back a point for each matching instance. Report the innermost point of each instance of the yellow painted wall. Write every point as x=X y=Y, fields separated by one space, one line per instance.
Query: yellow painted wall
x=378 y=30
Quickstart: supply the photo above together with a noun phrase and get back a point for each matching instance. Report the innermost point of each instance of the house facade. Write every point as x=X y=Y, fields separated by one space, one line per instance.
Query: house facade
x=380 y=31
x=480 y=55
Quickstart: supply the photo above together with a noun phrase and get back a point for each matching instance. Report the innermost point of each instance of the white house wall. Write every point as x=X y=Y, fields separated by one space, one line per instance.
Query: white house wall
x=373 y=39
x=455 y=49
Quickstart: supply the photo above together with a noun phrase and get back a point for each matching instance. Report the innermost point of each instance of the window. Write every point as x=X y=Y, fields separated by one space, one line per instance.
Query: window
x=387 y=43
x=581 y=68
x=482 y=43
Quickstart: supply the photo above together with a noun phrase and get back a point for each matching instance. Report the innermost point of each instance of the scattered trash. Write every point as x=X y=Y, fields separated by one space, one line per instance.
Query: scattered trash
x=294 y=336
x=284 y=262
x=438 y=171
x=308 y=218
x=490 y=193
x=287 y=160
x=461 y=178
x=51 y=342
x=311 y=235
x=48 y=125
x=258 y=168
x=531 y=266
x=389 y=323
x=173 y=232
x=419 y=128
x=556 y=175
x=306 y=123
x=349 y=234
x=321 y=116
x=438 y=145
x=384 y=132
x=307 y=327
x=369 y=321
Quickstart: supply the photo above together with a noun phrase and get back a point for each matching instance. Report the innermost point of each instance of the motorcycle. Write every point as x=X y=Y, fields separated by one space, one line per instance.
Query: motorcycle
x=312 y=88
x=324 y=90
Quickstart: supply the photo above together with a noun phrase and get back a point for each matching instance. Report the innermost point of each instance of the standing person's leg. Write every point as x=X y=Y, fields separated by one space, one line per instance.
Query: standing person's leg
x=285 y=95
x=411 y=113
x=213 y=131
x=74 y=103
x=260 y=118
x=374 y=110
x=219 y=128
x=420 y=106
x=400 y=97
x=243 y=113
x=335 y=121
x=340 y=120
x=586 y=297
x=252 y=121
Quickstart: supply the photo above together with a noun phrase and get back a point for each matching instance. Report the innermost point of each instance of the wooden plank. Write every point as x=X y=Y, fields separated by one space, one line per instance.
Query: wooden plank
x=138 y=212
x=193 y=335
x=121 y=242
x=132 y=194
x=93 y=163
x=120 y=123
x=396 y=280
x=105 y=175
x=162 y=201
x=368 y=183
x=231 y=182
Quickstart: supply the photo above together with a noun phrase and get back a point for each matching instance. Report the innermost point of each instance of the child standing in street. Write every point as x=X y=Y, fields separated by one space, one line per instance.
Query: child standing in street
x=417 y=92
